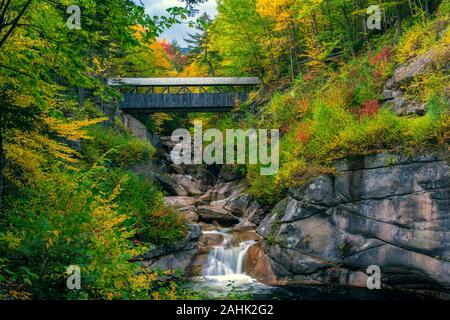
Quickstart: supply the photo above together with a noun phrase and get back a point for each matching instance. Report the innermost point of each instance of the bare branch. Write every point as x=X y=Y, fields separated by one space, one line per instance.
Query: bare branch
x=2 y=16
x=17 y=71
x=16 y=21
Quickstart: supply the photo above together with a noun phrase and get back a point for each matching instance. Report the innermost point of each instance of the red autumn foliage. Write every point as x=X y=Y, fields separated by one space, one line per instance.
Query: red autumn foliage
x=308 y=77
x=303 y=133
x=369 y=108
x=174 y=55
x=380 y=61
x=384 y=56
x=168 y=49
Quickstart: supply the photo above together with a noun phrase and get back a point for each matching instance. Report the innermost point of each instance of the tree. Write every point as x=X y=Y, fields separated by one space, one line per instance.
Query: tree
x=176 y=57
x=57 y=208
x=200 y=44
x=191 y=6
x=276 y=38
x=44 y=63
x=237 y=35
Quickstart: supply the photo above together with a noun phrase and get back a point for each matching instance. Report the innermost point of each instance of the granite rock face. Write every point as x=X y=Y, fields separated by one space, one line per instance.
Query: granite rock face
x=192 y=187
x=404 y=74
x=380 y=210
x=176 y=256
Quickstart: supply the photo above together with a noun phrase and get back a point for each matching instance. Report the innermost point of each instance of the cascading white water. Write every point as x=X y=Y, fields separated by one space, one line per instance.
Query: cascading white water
x=226 y=260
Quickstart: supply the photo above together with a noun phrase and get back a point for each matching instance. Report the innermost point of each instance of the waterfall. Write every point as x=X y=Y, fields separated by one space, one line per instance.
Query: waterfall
x=227 y=260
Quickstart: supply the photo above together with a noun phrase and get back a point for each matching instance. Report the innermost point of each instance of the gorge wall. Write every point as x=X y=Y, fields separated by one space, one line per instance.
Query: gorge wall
x=381 y=210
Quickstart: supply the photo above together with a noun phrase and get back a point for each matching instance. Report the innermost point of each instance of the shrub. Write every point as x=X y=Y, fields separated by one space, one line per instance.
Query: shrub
x=98 y=217
x=90 y=219
x=155 y=223
x=115 y=148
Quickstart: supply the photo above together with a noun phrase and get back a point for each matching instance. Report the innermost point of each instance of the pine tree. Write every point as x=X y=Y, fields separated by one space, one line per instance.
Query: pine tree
x=200 y=44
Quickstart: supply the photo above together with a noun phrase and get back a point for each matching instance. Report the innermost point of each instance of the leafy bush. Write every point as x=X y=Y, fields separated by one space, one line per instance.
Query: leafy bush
x=115 y=148
x=98 y=216
x=155 y=223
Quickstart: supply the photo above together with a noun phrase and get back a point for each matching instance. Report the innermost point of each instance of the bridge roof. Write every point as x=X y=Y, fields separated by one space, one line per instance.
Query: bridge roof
x=184 y=82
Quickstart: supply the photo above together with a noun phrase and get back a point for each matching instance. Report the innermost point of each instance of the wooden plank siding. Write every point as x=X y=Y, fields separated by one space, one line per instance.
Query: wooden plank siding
x=181 y=102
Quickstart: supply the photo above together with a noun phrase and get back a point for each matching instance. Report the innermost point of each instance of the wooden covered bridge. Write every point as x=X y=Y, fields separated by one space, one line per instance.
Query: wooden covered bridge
x=148 y=95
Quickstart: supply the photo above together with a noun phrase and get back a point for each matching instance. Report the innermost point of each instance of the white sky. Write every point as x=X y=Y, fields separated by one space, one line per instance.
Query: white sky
x=178 y=32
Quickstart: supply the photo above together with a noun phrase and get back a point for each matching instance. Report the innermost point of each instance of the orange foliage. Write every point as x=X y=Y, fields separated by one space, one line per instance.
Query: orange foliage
x=304 y=105
x=303 y=132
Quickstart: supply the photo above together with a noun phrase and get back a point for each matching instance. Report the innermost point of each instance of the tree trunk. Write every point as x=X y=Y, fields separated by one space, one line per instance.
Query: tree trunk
x=399 y=20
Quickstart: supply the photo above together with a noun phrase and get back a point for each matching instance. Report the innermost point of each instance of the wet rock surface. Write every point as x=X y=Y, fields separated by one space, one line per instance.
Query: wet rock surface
x=383 y=210
x=207 y=199
x=380 y=210
x=210 y=214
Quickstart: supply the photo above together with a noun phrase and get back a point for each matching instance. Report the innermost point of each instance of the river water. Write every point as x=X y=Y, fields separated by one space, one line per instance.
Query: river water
x=226 y=261
x=223 y=276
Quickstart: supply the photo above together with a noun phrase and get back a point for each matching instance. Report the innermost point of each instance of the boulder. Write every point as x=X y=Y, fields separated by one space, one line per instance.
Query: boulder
x=238 y=205
x=210 y=226
x=204 y=174
x=177 y=256
x=177 y=169
x=408 y=72
x=413 y=108
x=405 y=74
x=218 y=203
x=188 y=209
x=224 y=190
x=188 y=216
x=195 y=231
x=170 y=186
x=167 y=143
x=209 y=240
x=404 y=107
x=197 y=264
x=177 y=261
x=389 y=94
x=210 y=214
x=242 y=236
x=139 y=130
x=244 y=225
x=187 y=183
x=254 y=213
x=180 y=201
x=230 y=173
x=261 y=267
x=164 y=250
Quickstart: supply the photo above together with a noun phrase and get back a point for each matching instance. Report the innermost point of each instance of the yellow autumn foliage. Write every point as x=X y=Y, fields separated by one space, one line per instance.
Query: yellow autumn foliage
x=72 y=130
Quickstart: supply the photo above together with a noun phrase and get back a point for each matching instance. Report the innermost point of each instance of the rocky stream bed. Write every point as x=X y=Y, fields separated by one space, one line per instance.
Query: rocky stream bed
x=317 y=243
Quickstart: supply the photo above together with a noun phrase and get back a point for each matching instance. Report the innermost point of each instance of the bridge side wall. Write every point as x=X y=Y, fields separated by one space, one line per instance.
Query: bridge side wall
x=183 y=101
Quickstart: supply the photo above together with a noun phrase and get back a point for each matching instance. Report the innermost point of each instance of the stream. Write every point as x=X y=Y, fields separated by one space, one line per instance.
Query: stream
x=228 y=217
x=226 y=261
x=224 y=272
x=223 y=275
